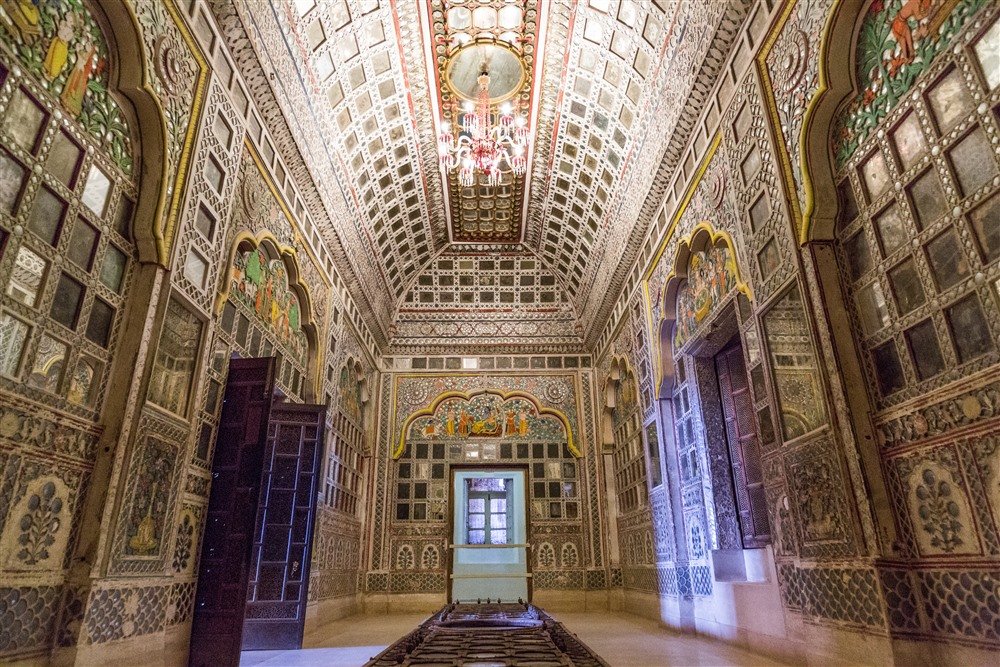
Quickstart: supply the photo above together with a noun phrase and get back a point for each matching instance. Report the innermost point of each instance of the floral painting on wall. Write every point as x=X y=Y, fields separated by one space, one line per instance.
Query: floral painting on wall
x=60 y=43
x=899 y=40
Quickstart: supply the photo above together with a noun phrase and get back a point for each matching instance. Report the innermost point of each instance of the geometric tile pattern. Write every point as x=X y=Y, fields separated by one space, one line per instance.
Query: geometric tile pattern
x=26 y=616
x=962 y=603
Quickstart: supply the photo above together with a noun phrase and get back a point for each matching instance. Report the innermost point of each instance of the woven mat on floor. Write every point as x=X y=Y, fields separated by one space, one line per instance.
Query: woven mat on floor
x=490 y=635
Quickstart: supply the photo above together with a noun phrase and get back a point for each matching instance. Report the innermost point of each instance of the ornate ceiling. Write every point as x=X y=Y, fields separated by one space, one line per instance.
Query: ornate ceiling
x=611 y=91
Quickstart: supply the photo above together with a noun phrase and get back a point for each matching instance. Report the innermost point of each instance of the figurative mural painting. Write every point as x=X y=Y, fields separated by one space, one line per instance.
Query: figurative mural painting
x=59 y=41
x=487 y=416
x=261 y=285
x=899 y=40
x=711 y=277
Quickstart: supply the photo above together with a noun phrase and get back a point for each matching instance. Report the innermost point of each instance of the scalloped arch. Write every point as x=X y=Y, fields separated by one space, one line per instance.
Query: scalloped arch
x=504 y=396
x=245 y=241
x=701 y=237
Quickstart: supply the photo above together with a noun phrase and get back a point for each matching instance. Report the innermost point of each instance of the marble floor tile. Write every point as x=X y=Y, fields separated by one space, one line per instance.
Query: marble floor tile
x=622 y=640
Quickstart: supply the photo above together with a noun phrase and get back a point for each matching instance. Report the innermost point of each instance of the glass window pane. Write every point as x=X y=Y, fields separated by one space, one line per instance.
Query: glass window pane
x=986 y=225
x=204 y=222
x=888 y=368
x=988 y=55
x=969 y=329
x=498 y=520
x=768 y=259
x=12 y=176
x=947 y=260
x=81 y=382
x=64 y=159
x=96 y=191
x=875 y=175
x=477 y=521
x=949 y=101
x=928 y=199
x=47 y=215
x=859 y=255
x=214 y=174
x=477 y=505
x=759 y=212
x=906 y=287
x=66 y=304
x=847 y=205
x=498 y=537
x=82 y=244
x=892 y=230
x=113 y=268
x=24 y=119
x=909 y=140
x=974 y=162
x=123 y=218
x=195 y=268
x=13 y=334
x=872 y=308
x=477 y=537
x=924 y=350
x=46 y=373
x=498 y=505
x=102 y=317
x=26 y=279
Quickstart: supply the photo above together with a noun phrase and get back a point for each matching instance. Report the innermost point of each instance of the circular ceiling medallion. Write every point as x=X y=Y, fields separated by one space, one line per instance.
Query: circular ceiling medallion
x=506 y=70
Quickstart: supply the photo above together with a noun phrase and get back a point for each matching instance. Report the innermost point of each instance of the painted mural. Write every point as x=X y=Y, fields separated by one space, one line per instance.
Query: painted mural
x=261 y=285
x=350 y=394
x=59 y=42
x=899 y=40
x=488 y=415
x=711 y=277
x=154 y=472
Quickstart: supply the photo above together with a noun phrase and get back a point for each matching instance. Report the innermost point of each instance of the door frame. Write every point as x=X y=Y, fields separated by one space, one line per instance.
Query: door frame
x=484 y=467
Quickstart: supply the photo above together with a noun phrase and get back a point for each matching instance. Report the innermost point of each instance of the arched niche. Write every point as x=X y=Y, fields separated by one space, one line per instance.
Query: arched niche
x=886 y=53
x=352 y=387
x=132 y=86
x=705 y=274
x=621 y=395
x=487 y=414
x=264 y=277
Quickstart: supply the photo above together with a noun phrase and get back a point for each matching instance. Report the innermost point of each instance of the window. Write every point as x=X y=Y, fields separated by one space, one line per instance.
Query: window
x=487 y=510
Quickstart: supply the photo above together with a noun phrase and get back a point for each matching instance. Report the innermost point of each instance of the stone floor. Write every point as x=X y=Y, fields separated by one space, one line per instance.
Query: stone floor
x=620 y=639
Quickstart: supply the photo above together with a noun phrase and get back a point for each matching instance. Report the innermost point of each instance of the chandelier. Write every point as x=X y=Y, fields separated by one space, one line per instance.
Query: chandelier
x=492 y=143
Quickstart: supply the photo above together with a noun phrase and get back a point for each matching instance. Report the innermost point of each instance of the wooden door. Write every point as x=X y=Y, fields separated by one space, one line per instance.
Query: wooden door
x=224 y=568
x=279 y=578
x=744 y=450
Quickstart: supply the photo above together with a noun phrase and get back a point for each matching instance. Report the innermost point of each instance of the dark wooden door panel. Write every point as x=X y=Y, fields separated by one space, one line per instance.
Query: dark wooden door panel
x=278 y=587
x=744 y=450
x=224 y=568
